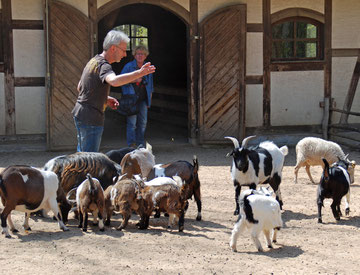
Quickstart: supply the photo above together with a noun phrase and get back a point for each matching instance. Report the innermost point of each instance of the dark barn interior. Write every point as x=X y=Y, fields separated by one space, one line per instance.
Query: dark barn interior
x=167 y=40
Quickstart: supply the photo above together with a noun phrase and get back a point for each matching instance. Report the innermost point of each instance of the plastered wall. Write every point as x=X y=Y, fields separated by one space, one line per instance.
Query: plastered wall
x=295 y=98
x=254 y=66
x=346 y=22
x=29 y=61
x=254 y=8
x=183 y=3
x=29 y=53
x=30 y=110
x=254 y=105
x=29 y=9
x=277 y=5
x=81 y=5
x=342 y=70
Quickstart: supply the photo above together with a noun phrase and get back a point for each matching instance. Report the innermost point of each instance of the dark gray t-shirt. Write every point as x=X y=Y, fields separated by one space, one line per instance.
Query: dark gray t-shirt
x=91 y=103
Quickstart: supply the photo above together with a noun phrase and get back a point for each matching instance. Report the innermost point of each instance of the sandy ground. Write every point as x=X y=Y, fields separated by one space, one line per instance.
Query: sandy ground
x=304 y=246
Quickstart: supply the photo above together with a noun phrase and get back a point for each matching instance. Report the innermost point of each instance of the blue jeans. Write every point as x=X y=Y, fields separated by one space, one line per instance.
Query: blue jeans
x=136 y=126
x=88 y=136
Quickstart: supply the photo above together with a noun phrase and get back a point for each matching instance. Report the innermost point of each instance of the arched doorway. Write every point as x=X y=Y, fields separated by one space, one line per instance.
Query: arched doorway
x=167 y=42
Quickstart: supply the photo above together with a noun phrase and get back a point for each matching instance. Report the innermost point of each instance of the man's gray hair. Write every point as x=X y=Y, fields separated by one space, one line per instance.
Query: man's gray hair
x=114 y=38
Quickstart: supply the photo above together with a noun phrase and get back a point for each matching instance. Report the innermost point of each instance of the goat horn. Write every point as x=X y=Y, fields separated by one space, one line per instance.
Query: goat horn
x=234 y=140
x=122 y=176
x=69 y=195
x=148 y=147
x=246 y=140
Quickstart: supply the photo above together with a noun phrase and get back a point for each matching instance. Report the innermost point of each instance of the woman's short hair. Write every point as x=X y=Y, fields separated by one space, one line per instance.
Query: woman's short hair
x=114 y=37
x=142 y=48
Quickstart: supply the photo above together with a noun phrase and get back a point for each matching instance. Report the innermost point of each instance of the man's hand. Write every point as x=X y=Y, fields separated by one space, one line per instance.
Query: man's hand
x=112 y=102
x=147 y=68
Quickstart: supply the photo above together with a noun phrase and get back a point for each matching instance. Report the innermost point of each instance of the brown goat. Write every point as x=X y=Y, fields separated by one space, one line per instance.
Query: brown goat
x=139 y=161
x=28 y=190
x=72 y=170
x=124 y=197
x=187 y=172
x=90 y=198
x=169 y=198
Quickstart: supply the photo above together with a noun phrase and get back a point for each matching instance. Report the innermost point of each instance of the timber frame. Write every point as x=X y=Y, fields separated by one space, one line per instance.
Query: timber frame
x=190 y=18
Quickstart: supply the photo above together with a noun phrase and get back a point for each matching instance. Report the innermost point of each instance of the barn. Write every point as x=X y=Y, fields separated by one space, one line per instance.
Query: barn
x=224 y=67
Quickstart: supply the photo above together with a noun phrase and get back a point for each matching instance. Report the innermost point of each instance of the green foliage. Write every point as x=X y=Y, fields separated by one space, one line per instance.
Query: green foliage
x=138 y=35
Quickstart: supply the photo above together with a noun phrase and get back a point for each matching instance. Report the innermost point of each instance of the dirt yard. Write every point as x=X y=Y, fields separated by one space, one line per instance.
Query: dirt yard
x=304 y=246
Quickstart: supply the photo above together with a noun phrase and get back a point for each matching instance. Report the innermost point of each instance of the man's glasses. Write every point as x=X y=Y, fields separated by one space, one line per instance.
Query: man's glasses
x=120 y=48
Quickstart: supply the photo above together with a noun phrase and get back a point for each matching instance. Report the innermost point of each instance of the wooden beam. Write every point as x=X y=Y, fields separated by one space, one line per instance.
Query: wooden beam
x=254 y=27
x=266 y=62
x=242 y=73
x=92 y=10
x=327 y=50
x=297 y=66
x=254 y=79
x=345 y=112
x=193 y=75
x=28 y=24
x=1 y=67
x=350 y=52
x=9 y=89
x=29 y=82
x=328 y=64
x=351 y=92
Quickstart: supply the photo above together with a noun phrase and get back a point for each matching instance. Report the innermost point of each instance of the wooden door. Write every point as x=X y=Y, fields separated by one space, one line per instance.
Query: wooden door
x=69 y=50
x=222 y=74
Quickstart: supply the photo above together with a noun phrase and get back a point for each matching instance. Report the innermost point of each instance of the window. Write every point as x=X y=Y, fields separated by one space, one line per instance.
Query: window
x=297 y=39
x=138 y=35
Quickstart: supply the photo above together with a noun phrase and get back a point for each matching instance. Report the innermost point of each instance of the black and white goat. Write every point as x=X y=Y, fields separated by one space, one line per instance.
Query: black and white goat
x=27 y=189
x=334 y=183
x=254 y=165
x=259 y=212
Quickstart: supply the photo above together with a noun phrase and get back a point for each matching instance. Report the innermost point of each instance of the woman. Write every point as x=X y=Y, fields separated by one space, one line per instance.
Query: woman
x=136 y=124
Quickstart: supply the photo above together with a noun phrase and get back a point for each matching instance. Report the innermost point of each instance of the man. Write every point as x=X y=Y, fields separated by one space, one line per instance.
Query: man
x=94 y=89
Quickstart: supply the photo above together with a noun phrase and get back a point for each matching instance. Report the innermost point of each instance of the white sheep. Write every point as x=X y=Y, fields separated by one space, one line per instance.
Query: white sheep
x=258 y=212
x=310 y=151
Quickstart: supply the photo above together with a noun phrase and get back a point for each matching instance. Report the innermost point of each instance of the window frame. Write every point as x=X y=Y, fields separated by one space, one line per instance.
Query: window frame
x=319 y=40
x=130 y=44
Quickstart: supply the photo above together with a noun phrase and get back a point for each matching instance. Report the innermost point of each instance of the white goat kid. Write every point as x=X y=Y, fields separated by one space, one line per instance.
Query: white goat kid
x=258 y=212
